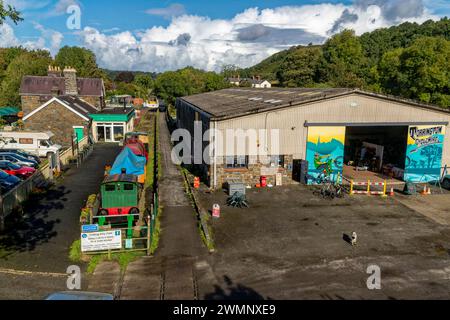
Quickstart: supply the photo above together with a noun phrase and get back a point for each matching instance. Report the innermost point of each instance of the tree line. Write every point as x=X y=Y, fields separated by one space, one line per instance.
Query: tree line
x=409 y=60
x=15 y=63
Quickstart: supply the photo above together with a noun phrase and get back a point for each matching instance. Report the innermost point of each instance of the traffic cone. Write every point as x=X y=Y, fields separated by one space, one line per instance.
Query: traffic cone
x=424 y=192
x=429 y=190
x=392 y=193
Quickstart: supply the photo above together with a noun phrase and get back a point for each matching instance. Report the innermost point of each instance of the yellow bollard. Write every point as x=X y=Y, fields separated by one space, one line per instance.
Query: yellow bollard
x=384 y=195
x=351 y=187
x=368 y=187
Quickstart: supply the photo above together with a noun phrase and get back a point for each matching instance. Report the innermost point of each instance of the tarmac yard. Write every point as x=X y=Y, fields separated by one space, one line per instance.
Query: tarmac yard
x=290 y=245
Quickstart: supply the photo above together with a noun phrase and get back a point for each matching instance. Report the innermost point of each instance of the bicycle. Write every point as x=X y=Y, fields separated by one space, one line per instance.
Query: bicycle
x=326 y=190
x=330 y=189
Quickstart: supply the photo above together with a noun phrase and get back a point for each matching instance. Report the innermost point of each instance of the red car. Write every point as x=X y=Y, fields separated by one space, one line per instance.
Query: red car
x=16 y=170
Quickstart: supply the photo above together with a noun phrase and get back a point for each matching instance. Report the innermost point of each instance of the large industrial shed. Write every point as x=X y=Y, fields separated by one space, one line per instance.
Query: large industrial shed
x=344 y=131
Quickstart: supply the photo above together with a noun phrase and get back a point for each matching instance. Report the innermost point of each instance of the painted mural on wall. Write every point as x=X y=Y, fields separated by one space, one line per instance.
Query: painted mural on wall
x=325 y=153
x=424 y=153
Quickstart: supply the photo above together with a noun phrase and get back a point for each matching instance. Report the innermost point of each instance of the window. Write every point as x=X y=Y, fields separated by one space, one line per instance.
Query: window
x=277 y=161
x=239 y=162
x=3 y=166
x=128 y=187
x=110 y=188
x=44 y=143
x=26 y=141
x=118 y=133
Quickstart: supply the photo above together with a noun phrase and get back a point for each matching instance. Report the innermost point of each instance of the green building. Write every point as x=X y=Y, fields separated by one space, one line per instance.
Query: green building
x=111 y=124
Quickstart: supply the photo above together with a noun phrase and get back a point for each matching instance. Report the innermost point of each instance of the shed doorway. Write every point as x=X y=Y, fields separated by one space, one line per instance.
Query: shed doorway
x=375 y=153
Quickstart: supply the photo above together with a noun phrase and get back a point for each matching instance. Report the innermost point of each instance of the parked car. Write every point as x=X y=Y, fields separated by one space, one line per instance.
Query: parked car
x=7 y=182
x=23 y=154
x=38 y=143
x=16 y=170
x=79 y=296
x=15 y=158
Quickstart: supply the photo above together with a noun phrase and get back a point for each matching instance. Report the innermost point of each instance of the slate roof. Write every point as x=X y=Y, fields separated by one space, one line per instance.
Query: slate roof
x=78 y=105
x=116 y=110
x=45 y=85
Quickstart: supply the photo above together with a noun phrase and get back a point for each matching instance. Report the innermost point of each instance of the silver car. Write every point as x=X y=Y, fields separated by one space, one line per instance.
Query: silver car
x=17 y=159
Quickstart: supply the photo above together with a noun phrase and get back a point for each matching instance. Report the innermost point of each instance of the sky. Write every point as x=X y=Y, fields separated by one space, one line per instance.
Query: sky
x=161 y=35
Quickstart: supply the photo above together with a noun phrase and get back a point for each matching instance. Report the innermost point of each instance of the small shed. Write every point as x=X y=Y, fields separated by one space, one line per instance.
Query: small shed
x=9 y=114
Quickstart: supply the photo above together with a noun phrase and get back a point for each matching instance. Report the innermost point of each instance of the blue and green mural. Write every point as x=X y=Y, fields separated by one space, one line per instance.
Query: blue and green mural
x=424 y=153
x=325 y=153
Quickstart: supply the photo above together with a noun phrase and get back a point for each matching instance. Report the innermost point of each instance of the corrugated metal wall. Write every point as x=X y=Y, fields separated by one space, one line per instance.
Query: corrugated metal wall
x=349 y=109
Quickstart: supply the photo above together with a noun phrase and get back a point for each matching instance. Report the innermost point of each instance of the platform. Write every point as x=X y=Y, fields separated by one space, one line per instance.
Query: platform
x=350 y=173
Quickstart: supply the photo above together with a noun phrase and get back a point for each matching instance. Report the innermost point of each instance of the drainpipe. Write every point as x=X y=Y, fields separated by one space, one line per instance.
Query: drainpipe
x=267 y=136
x=215 y=155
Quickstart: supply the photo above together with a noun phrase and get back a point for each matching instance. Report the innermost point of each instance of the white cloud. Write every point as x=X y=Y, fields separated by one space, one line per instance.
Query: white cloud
x=54 y=38
x=244 y=40
x=48 y=40
x=7 y=36
x=206 y=43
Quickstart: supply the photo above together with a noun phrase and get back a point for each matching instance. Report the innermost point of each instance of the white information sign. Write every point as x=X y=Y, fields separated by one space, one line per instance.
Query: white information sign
x=99 y=241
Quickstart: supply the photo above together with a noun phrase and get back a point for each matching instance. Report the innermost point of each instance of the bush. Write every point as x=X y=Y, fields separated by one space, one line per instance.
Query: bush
x=75 y=251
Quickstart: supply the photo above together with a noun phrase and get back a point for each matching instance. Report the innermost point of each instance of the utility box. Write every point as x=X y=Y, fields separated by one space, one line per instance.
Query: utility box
x=235 y=187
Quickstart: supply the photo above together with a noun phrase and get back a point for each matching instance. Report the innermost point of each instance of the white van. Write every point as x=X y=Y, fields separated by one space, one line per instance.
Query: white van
x=37 y=143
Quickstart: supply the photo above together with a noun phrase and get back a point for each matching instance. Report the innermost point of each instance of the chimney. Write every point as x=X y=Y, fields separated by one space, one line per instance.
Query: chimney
x=70 y=81
x=54 y=71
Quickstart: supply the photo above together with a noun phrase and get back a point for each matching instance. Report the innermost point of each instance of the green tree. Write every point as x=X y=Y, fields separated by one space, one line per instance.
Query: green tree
x=144 y=81
x=125 y=76
x=344 y=63
x=214 y=81
x=188 y=81
x=83 y=60
x=28 y=63
x=420 y=71
x=144 y=85
x=6 y=56
x=9 y=12
x=300 y=68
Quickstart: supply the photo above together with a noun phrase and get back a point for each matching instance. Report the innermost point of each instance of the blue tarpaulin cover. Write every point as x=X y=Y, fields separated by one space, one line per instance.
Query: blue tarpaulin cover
x=128 y=160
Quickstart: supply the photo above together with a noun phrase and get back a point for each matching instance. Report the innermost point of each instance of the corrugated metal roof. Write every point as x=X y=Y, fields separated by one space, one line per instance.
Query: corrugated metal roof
x=230 y=103
x=238 y=101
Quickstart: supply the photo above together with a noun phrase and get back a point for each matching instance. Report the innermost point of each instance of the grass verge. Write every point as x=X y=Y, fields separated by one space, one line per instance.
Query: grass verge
x=124 y=258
